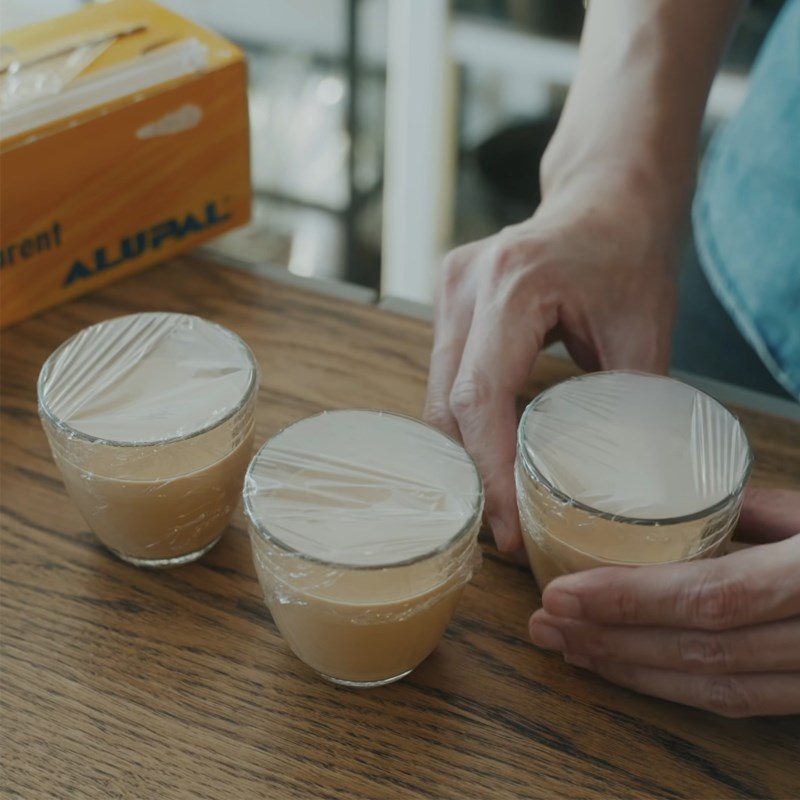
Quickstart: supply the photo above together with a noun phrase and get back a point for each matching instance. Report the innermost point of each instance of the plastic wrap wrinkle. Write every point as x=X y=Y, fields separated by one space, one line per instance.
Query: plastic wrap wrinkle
x=635 y=445
x=288 y=580
x=147 y=377
x=324 y=490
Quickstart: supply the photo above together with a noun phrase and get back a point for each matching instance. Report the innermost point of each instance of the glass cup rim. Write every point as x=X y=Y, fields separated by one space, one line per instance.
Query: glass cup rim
x=73 y=433
x=257 y=525
x=533 y=472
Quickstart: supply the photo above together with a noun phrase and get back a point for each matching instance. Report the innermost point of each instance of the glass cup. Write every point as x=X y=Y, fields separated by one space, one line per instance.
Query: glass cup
x=150 y=421
x=626 y=469
x=364 y=531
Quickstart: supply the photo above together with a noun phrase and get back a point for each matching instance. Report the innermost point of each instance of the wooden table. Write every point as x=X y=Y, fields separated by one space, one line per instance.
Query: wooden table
x=121 y=682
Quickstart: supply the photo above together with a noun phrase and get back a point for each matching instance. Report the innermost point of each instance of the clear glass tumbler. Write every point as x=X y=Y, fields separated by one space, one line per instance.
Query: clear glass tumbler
x=364 y=531
x=150 y=420
x=626 y=469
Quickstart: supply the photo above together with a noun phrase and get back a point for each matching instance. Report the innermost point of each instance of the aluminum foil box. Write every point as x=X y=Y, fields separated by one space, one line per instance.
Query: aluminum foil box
x=124 y=140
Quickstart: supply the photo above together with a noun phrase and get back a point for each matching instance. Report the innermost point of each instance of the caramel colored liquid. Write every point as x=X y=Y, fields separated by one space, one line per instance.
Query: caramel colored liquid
x=161 y=507
x=362 y=626
x=561 y=538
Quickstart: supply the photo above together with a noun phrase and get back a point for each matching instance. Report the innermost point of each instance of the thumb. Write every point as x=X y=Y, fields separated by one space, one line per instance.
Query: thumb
x=769 y=515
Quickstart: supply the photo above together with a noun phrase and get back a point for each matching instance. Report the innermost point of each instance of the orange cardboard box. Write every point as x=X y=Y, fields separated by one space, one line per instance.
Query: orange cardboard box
x=151 y=159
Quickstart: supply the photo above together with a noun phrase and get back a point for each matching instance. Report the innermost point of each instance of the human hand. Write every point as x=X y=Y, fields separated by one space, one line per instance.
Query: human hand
x=769 y=515
x=722 y=634
x=592 y=267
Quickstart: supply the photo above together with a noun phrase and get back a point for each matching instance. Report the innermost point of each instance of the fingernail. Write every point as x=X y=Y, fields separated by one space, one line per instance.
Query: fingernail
x=562 y=604
x=498 y=531
x=578 y=661
x=547 y=637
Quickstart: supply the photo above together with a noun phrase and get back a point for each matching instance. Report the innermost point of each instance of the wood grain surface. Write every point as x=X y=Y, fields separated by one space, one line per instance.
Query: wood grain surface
x=121 y=682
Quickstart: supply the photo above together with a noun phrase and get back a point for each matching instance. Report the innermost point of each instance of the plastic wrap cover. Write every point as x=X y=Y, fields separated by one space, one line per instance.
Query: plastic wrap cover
x=628 y=468
x=146 y=378
x=375 y=513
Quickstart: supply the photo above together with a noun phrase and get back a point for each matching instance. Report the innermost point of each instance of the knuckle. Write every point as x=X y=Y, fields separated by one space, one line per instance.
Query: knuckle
x=624 y=604
x=717 y=602
x=522 y=268
x=505 y=259
x=453 y=271
x=538 y=250
x=437 y=412
x=469 y=395
x=530 y=247
x=595 y=646
x=703 y=652
x=512 y=251
x=727 y=697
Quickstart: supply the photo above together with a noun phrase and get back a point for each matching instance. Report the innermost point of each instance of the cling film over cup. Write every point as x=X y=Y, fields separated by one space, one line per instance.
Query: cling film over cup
x=625 y=469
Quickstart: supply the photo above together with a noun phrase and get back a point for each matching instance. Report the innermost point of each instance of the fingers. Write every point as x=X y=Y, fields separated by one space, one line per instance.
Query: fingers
x=454 y=307
x=508 y=328
x=720 y=634
x=759 y=584
x=644 y=342
x=741 y=695
x=772 y=647
x=769 y=515
x=488 y=429
x=492 y=315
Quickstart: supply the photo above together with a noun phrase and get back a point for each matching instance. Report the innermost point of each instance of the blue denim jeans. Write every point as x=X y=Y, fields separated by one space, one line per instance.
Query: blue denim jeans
x=706 y=340
x=746 y=214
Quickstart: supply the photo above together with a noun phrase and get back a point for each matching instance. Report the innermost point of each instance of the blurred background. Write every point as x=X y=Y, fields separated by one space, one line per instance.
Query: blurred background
x=385 y=131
